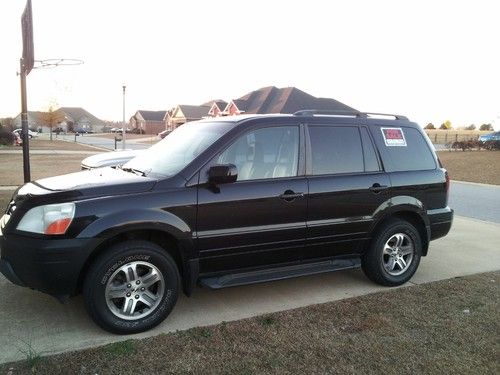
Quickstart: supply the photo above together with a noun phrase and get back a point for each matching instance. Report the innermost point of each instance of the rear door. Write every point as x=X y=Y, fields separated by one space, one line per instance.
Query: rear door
x=346 y=186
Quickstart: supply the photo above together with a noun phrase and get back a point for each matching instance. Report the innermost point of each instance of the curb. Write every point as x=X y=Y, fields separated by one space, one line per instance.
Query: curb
x=476 y=184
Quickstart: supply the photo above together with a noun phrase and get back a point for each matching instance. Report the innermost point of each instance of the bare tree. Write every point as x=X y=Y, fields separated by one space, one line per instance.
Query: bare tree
x=51 y=118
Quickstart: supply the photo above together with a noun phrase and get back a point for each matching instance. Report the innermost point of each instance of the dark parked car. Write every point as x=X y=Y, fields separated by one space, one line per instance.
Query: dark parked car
x=164 y=133
x=230 y=201
x=495 y=136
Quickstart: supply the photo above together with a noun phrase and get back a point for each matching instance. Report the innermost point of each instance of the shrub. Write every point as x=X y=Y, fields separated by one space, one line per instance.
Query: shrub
x=491 y=145
x=6 y=138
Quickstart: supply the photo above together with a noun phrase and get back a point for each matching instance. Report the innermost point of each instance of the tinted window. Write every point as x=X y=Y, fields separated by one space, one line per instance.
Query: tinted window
x=335 y=150
x=265 y=153
x=369 y=155
x=413 y=155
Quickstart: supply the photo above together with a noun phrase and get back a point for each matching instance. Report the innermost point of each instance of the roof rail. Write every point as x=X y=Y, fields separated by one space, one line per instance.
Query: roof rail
x=340 y=112
x=397 y=117
x=312 y=112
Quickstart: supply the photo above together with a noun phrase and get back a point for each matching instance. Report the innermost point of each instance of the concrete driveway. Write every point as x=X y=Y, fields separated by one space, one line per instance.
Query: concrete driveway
x=31 y=318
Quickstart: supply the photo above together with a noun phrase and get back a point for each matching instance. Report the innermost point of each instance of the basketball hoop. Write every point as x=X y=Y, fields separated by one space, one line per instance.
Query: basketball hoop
x=52 y=63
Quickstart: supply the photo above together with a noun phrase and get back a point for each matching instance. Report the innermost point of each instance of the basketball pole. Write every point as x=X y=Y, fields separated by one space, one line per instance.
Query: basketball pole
x=24 y=125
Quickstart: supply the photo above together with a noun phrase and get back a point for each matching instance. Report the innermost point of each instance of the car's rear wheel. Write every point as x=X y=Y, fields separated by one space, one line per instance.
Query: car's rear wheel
x=131 y=287
x=394 y=253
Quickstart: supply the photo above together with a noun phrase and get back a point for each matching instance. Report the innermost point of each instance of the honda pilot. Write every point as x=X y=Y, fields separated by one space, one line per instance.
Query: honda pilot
x=230 y=201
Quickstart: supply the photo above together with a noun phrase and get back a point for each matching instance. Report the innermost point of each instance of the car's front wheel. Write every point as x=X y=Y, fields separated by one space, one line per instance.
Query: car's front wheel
x=131 y=287
x=394 y=253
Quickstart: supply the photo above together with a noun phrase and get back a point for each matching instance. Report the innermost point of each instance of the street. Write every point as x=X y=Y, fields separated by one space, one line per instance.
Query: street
x=106 y=143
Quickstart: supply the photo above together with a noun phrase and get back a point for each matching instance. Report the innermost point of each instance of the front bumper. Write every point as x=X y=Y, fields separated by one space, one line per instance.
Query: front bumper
x=51 y=266
x=440 y=221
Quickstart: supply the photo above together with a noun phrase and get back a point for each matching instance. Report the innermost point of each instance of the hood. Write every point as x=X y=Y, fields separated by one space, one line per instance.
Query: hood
x=110 y=159
x=92 y=183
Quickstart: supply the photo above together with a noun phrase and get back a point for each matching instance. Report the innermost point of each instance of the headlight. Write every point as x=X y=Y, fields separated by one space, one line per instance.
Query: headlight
x=49 y=219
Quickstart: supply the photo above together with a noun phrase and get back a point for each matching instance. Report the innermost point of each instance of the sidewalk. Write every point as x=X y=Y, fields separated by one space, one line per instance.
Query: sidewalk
x=51 y=152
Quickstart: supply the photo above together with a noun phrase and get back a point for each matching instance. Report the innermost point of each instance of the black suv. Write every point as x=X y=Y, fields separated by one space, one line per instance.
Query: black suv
x=230 y=201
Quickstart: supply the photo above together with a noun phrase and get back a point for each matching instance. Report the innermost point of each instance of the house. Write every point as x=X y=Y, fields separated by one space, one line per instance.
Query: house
x=185 y=113
x=280 y=100
x=67 y=118
x=216 y=107
x=35 y=119
x=74 y=118
x=149 y=122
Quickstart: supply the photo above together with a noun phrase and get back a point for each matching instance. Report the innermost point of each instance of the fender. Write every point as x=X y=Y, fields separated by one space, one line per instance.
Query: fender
x=110 y=225
x=400 y=203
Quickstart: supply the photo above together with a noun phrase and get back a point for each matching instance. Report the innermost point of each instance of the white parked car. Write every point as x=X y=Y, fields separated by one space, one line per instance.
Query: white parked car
x=31 y=133
x=109 y=159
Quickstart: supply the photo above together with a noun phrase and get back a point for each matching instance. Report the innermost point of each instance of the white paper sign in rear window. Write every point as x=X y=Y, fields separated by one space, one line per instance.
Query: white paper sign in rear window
x=393 y=136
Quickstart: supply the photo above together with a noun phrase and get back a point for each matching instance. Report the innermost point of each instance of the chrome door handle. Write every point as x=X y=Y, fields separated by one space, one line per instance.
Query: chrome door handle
x=289 y=195
x=377 y=188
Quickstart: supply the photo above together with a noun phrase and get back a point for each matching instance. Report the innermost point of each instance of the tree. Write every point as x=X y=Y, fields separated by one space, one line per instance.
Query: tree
x=446 y=125
x=7 y=123
x=51 y=118
x=487 y=127
x=430 y=125
x=470 y=127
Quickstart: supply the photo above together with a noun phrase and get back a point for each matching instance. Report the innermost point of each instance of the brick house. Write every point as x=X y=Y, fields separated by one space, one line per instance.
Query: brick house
x=150 y=122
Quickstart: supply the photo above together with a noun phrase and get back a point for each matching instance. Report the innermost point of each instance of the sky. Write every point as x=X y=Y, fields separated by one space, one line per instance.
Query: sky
x=429 y=60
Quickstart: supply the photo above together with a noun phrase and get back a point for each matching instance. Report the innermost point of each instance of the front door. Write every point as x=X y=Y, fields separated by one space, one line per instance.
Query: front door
x=259 y=219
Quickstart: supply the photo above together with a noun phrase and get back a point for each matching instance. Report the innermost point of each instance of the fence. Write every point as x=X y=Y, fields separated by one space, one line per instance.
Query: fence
x=438 y=136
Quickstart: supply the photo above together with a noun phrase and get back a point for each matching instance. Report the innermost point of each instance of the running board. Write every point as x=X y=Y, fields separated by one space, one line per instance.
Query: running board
x=278 y=273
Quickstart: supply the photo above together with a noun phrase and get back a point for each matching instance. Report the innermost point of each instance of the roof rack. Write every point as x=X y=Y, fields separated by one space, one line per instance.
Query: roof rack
x=312 y=112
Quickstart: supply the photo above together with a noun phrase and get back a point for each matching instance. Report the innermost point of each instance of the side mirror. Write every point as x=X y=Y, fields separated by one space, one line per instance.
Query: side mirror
x=222 y=174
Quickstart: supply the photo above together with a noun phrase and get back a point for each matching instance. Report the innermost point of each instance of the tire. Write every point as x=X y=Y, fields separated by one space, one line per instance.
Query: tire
x=382 y=262
x=132 y=287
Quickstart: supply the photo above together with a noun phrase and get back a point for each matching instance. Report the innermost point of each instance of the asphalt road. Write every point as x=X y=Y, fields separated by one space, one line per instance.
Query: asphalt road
x=29 y=318
x=476 y=201
x=104 y=142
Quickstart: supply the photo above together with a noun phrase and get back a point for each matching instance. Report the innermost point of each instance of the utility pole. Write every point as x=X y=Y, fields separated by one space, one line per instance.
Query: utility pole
x=124 y=126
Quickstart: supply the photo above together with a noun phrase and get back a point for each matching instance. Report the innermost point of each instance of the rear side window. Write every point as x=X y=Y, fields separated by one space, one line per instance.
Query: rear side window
x=371 y=161
x=409 y=153
x=335 y=149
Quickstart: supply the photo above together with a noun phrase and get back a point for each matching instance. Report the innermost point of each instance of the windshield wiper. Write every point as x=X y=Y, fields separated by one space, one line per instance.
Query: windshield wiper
x=136 y=171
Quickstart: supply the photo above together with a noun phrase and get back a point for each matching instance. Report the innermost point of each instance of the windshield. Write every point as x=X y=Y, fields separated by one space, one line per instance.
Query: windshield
x=177 y=149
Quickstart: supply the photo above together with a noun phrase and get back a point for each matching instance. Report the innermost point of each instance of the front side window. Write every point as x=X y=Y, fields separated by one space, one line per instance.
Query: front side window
x=264 y=153
x=335 y=149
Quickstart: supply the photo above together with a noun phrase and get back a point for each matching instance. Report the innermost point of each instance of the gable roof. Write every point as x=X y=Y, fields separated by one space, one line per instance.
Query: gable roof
x=77 y=113
x=285 y=100
x=194 y=111
x=220 y=103
x=152 y=115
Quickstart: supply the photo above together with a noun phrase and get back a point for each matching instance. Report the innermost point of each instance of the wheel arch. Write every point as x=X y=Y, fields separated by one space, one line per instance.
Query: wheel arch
x=412 y=214
x=179 y=248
